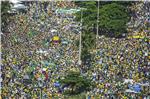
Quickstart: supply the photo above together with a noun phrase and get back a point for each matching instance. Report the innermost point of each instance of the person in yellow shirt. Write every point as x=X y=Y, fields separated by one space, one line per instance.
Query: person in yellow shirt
x=49 y=95
x=124 y=97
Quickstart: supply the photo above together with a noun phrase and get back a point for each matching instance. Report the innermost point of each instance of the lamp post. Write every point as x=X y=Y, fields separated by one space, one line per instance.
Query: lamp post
x=80 y=39
x=80 y=46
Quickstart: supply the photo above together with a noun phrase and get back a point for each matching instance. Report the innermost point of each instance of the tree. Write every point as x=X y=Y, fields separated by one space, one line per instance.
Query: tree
x=5 y=7
x=114 y=18
x=76 y=82
x=89 y=13
x=88 y=43
x=112 y=22
x=88 y=39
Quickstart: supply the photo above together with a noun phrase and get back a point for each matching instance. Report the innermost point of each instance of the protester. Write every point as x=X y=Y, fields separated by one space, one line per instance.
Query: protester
x=41 y=48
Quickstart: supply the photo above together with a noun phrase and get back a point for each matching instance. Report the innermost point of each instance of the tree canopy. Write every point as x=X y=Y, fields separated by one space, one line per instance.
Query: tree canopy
x=88 y=43
x=89 y=13
x=5 y=7
x=76 y=82
x=113 y=17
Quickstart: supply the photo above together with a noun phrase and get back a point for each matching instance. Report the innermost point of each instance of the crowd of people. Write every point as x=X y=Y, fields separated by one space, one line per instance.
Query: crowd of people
x=40 y=48
x=124 y=62
x=120 y=63
x=33 y=59
x=140 y=19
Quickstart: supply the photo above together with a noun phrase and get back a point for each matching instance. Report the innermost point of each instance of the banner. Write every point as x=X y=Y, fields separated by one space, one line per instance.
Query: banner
x=67 y=11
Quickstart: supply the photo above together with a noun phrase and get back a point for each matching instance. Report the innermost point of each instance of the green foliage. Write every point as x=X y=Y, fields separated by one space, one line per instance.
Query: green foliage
x=88 y=40
x=5 y=7
x=76 y=82
x=79 y=96
x=123 y=3
x=89 y=13
x=114 y=17
x=88 y=43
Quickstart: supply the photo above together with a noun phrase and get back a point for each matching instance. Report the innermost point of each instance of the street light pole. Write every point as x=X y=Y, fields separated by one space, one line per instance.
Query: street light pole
x=80 y=39
x=40 y=92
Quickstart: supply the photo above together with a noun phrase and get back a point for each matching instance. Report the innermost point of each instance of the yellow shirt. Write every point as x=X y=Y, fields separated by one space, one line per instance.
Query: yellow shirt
x=124 y=97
